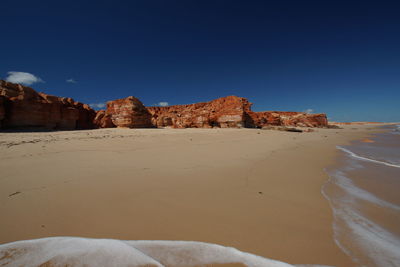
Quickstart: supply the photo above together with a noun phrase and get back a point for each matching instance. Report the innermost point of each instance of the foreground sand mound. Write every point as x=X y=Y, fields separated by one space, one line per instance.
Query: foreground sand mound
x=74 y=251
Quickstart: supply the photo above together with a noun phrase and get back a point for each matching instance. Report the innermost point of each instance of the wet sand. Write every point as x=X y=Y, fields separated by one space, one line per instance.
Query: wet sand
x=256 y=190
x=363 y=190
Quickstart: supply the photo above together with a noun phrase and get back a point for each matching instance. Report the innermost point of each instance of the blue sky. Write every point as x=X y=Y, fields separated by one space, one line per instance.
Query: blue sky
x=337 y=57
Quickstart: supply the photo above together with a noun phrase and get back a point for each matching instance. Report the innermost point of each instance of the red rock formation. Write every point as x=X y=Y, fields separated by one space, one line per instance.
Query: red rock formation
x=282 y=118
x=85 y=117
x=128 y=112
x=21 y=106
x=310 y=120
x=26 y=108
x=103 y=120
x=2 y=110
x=230 y=111
x=260 y=119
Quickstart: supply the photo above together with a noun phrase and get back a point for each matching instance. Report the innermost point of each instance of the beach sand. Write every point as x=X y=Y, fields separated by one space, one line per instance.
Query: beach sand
x=256 y=190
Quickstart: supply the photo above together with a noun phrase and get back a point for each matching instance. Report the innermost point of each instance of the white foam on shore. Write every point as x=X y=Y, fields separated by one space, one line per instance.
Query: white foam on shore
x=354 y=233
x=397 y=130
x=354 y=155
x=69 y=251
x=190 y=253
x=347 y=185
x=380 y=246
x=75 y=251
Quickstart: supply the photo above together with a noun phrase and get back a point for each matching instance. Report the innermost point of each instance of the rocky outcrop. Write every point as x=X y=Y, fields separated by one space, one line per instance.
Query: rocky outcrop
x=23 y=107
x=127 y=112
x=103 y=120
x=309 y=120
x=282 y=118
x=2 y=110
x=228 y=112
x=225 y=112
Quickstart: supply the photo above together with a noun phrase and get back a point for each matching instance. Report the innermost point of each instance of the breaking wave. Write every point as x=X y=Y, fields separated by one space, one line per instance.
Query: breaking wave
x=76 y=251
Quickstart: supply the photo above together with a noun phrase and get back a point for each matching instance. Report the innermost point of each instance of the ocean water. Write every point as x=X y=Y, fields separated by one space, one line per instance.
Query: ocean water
x=364 y=193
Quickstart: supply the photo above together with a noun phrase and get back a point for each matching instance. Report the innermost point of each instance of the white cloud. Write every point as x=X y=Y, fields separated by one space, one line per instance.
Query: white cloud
x=163 y=104
x=22 y=77
x=71 y=80
x=309 y=111
x=98 y=105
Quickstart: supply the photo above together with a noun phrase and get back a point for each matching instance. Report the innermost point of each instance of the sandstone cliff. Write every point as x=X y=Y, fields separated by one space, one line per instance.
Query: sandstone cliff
x=2 y=110
x=127 y=112
x=103 y=120
x=23 y=107
x=228 y=112
x=225 y=112
x=282 y=118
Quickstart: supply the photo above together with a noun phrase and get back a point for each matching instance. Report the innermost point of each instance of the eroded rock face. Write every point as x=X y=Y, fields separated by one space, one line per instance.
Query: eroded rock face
x=2 y=109
x=103 y=120
x=281 y=118
x=128 y=112
x=25 y=108
x=230 y=111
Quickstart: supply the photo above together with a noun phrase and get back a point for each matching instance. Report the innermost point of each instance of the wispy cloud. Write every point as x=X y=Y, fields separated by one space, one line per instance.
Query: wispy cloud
x=98 y=105
x=309 y=111
x=71 y=80
x=22 y=78
x=163 y=104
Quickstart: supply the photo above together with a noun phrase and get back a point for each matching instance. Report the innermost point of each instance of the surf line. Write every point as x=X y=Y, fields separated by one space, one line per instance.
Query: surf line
x=367 y=159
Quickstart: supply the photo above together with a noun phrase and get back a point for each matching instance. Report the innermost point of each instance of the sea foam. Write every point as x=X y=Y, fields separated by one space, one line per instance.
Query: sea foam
x=381 y=246
x=356 y=192
x=354 y=155
x=367 y=242
x=396 y=130
x=76 y=251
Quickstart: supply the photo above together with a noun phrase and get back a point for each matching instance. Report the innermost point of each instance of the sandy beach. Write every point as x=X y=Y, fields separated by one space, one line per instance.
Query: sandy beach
x=256 y=190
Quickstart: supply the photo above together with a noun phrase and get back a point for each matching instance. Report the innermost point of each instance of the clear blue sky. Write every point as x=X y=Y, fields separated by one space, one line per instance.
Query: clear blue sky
x=337 y=57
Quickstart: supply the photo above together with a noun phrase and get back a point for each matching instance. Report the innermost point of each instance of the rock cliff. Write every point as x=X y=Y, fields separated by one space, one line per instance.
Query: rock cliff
x=103 y=120
x=228 y=112
x=225 y=112
x=2 y=110
x=127 y=112
x=282 y=118
x=23 y=107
